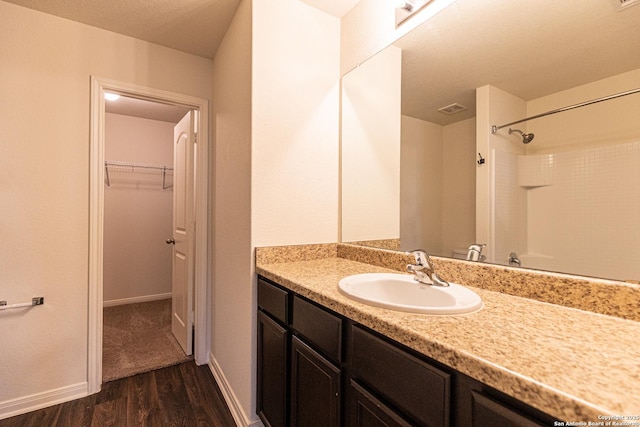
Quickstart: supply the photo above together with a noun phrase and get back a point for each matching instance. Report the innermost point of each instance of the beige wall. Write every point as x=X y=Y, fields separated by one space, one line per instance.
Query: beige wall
x=421 y=167
x=458 y=185
x=276 y=165
x=600 y=124
x=137 y=211
x=437 y=185
x=44 y=192
x=295 y=124
x=232 y=297
x=494 y=107
x=370 y=170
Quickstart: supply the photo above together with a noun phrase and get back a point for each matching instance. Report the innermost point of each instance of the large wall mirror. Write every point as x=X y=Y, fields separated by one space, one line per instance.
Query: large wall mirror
x=421 y=167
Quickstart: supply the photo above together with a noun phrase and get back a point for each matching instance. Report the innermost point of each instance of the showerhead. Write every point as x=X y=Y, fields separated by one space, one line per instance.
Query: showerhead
x=526 y=137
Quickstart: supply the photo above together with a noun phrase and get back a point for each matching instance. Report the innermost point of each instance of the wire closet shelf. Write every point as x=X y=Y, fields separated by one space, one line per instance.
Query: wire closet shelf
x=118 y=166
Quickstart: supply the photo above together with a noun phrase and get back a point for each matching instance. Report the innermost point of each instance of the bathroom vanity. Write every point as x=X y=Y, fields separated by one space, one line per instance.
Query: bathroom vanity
x=326 y=360
x=318 y=368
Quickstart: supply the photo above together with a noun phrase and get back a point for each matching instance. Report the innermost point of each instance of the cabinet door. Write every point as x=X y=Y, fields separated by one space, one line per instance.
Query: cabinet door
x=272 y=372
x=315 y=388
x=365 y=410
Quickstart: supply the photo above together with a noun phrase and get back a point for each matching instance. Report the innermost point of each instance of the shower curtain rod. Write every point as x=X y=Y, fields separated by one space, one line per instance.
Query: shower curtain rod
x=495 y=128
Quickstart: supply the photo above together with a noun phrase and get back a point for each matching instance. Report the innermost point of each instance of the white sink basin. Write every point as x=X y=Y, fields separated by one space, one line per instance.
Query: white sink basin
x=401 y=292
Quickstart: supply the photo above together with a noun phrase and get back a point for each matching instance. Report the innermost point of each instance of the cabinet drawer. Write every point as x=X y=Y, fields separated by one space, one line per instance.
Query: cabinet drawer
x=321 y=328
x=488 y=412
x=273 y=300
x=416 y=388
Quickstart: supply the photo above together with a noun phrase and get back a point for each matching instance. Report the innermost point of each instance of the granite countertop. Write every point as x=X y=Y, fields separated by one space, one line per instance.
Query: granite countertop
x=572 y=364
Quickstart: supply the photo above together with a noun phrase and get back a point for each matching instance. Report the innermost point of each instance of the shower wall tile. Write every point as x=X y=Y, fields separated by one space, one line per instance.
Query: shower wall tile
x=595 y=227
x=535 y=170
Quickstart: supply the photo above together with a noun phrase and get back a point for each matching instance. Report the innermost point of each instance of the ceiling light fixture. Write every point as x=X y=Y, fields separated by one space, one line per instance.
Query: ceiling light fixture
x=406 y=8
x=111 y=96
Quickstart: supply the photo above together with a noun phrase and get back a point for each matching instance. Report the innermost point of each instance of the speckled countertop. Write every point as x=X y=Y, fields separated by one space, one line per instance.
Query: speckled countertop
x=572 y=364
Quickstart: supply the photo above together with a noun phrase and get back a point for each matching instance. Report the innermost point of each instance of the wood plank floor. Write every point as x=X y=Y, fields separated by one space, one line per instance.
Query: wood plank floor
x=180 y=395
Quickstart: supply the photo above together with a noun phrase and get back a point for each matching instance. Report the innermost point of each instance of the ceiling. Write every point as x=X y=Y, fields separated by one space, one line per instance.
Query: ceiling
x=146 y=109
x=192 y=26
x=527 y=48
x=469 y=44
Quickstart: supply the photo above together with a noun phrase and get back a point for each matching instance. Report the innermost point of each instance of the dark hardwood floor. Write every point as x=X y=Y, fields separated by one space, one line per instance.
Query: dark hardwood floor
x=181 y=395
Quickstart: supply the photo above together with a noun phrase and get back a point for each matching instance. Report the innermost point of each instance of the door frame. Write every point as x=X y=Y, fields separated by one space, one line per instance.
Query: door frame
x=99 y=86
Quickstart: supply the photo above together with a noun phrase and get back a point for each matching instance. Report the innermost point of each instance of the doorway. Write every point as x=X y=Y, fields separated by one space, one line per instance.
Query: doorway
x=140 y=184
x=97 y=199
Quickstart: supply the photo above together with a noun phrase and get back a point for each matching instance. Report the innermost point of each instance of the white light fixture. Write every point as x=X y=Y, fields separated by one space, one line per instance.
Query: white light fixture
x=426 y=9
x=111 y=96
x=406 y=8
x=628 y=3
x=412 y=5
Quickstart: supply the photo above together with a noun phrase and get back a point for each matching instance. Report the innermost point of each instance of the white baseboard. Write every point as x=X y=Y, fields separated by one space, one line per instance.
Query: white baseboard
x=144 y=298
x=238 y=414
x=22 y=405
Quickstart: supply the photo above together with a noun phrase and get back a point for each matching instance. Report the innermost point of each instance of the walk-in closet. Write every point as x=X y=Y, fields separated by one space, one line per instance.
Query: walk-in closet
x=138 y=215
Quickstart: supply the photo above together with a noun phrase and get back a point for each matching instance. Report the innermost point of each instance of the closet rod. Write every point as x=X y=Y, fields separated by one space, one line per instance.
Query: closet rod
x=130 y=166
x=495 y=128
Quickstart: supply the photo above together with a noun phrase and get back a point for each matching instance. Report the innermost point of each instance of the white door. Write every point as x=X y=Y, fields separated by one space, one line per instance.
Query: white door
x=183 y=232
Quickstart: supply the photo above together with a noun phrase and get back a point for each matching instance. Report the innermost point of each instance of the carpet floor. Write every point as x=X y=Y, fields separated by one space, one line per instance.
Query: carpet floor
x=137 y=338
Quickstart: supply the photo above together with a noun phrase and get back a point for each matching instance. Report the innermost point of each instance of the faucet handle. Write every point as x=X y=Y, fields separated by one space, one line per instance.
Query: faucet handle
x=475 y=252
x=422 y=258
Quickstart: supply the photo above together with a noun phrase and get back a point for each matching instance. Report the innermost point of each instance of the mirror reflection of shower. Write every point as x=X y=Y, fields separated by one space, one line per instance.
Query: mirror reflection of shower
x=526 y=137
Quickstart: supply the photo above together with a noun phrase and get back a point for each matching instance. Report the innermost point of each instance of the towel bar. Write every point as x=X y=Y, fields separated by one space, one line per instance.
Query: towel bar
x=34 y=301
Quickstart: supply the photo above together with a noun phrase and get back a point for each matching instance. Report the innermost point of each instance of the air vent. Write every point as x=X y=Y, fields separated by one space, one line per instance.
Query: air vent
x=452 y=109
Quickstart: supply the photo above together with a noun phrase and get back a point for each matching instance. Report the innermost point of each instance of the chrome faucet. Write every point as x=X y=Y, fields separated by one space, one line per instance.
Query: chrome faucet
x=475 y=252
x=423 y=269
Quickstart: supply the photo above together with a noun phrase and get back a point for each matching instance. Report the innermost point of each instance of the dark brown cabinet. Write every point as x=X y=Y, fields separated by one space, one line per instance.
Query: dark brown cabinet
x=419 y=390
x=315 y=388
x=365 y=410
x=273 y=355
x=272 y=371
x=487 y=412
x=317 y=368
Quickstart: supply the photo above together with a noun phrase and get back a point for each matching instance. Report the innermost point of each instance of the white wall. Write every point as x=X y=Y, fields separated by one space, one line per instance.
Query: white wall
x=370 y=171
x=137 y=211
x=44 y=187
